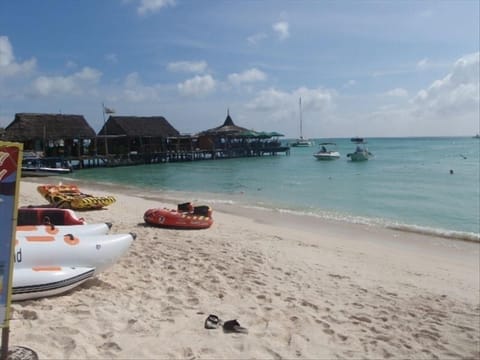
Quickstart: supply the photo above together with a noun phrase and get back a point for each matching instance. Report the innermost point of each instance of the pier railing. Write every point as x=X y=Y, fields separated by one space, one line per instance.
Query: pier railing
x=134 y=158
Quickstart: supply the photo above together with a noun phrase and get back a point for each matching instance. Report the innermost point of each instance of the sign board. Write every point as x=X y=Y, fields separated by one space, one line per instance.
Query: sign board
x=11 y=155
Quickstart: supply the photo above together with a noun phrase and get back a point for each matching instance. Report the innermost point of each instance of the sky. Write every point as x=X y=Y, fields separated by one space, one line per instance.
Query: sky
x=361 y=68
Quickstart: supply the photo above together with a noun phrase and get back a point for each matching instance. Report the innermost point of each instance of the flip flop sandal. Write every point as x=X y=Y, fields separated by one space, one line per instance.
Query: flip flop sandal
x=212 y=322
x=232 y=326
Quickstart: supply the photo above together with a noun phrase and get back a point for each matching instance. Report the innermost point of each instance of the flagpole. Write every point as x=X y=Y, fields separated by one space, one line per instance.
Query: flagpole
x=105 y=129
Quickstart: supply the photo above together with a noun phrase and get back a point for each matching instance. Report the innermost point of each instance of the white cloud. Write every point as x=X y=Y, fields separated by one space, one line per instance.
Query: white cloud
x=188 y=66
x=6 y=51
x=422 y=64
x=152 y=6
x=275 y=101
x=76 y=83
x=136 y=92
x=457 y=92
x=71 y=64
x=448 y=107
x=273 y=108
x=88 y=74
x=248 y=76
x=197 y=86
x=281 y=28
x=255 y=39
x=397 y=92
x=111 y=58
x=8 y=65
x=349 y=84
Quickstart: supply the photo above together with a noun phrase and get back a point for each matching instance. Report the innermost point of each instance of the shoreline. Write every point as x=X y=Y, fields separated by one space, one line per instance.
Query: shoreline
x=238 y=206
x=304 y=288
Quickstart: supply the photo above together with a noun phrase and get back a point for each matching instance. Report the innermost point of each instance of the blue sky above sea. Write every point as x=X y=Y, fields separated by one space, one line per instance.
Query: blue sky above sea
x=362 y=68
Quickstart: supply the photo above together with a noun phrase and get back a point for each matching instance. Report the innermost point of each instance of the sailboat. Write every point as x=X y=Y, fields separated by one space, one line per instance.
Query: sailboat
x=301 y=142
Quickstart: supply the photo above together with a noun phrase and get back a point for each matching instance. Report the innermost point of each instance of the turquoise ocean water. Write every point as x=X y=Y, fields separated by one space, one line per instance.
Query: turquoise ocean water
x=406 y=185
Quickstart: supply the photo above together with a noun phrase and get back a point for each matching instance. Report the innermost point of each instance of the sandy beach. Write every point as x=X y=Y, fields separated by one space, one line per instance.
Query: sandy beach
x=304 y=289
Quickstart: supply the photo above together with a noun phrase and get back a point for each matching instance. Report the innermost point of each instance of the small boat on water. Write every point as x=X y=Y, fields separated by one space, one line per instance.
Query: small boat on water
x=186 y=216
x=325 y=153
x=39 y=166
x=361 y=152
x=301 y=142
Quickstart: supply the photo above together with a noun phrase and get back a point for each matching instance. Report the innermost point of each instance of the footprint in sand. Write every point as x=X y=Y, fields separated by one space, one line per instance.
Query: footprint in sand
x=28 y=314
x=110 y=346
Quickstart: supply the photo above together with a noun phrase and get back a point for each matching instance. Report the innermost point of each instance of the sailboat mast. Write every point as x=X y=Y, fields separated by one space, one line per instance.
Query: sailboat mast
x=300 y=110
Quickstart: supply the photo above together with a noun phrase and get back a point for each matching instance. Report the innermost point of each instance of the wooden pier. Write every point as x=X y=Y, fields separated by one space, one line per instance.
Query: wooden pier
x=134 y=158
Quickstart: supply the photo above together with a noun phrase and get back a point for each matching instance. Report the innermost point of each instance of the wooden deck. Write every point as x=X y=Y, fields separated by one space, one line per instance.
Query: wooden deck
x=86 y=162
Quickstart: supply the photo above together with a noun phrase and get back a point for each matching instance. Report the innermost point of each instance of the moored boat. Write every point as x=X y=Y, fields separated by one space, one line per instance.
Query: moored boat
x=186 y=216
x=325 y=153
x=38 y=166
x=301 y=141
x=361 y=152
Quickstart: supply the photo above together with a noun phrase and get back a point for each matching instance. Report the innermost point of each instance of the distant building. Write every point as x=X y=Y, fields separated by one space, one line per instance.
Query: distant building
x=135 y=134
x=52 y=134
x=231 y=140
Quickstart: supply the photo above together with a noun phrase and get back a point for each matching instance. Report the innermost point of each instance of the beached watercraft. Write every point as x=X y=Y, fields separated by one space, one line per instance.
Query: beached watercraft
x=43 y=216
x=70 y=197
x=48 y=265
x=47 y=230
x=186 y=216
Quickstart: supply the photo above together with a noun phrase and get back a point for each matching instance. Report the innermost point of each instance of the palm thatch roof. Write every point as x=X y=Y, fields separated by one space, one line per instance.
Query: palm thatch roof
x=138 y=126
x=228 y=128
x=28 y=126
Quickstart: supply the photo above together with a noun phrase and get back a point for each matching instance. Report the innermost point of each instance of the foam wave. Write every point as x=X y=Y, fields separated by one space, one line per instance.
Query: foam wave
x=448 y=234
x=421 y=230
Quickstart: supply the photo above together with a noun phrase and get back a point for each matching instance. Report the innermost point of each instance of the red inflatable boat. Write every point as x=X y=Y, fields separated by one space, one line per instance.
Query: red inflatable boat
x=186 y=216
x=44 y=216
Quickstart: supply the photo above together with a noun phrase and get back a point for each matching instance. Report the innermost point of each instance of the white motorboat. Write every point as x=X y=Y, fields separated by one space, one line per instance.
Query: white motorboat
x=325 y=153
x=361 y=152
x=37 y=166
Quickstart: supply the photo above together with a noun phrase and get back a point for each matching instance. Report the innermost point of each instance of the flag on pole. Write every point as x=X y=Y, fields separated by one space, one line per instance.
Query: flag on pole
x=108 y=110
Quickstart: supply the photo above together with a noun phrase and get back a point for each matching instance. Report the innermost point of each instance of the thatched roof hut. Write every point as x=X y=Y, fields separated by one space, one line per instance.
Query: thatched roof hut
x=138 y=126
x=28 y=126
x=51 y=134
x=143 y=134
x=228 y=128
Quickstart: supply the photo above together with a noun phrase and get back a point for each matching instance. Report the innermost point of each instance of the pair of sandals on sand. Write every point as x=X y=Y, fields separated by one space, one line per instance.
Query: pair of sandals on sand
x=230 y=326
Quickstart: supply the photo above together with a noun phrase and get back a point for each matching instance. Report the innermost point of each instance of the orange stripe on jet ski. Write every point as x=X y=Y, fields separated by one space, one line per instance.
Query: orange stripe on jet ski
x=27 y=228
x=40 y=238
x=47 y=268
